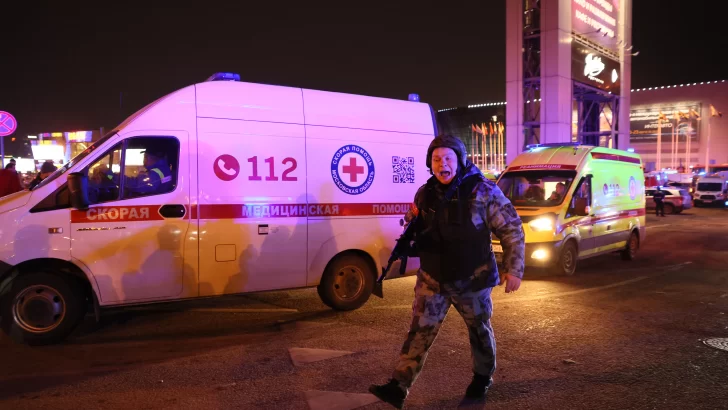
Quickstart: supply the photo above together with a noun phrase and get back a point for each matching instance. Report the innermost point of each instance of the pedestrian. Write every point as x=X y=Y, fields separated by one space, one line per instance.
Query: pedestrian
x=9 y=181
x=659 y=198
x=45 y=170
x=457 y=265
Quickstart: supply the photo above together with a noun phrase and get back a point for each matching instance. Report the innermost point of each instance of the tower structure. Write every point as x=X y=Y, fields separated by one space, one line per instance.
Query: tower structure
x=568 y=65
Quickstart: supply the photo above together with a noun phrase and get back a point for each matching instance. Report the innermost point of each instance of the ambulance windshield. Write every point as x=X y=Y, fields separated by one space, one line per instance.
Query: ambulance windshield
x=62 y=170
x=536 y=188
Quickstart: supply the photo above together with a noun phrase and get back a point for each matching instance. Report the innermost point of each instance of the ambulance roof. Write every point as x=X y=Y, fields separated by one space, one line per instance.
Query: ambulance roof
x=568 y=156
x=271 y=103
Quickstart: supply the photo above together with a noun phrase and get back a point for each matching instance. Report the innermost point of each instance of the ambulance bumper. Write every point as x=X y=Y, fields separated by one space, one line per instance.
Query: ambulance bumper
x=540 y=254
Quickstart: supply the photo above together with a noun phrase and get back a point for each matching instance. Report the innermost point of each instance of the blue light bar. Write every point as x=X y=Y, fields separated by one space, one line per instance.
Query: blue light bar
x=224 y=77
x=554 y=144
x=414 y=97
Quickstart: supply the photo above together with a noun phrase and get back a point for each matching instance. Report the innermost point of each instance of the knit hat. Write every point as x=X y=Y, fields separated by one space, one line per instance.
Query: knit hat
x=448 y=141
x=47 y=167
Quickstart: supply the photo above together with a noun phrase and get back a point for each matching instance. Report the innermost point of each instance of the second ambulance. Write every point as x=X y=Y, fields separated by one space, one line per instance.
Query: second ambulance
x=576 y=202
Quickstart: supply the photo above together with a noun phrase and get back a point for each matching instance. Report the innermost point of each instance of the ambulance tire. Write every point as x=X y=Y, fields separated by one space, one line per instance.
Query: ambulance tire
x=60 y=300
x=347 y=283
x=566 y=264
x=633 y=244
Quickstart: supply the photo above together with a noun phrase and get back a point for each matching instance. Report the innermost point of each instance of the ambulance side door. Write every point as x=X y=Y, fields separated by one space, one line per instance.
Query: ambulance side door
x=132 y=238
x=583 y=223
x=252 y=206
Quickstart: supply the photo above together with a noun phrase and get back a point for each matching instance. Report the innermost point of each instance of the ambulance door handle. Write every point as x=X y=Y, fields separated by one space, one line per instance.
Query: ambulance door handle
x=172 y=211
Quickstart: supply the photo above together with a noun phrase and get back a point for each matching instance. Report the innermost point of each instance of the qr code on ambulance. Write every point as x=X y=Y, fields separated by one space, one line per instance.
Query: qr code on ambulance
x=403 y=170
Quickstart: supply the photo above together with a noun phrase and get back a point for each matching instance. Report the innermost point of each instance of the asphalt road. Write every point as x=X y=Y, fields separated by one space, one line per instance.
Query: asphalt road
x=618 y=335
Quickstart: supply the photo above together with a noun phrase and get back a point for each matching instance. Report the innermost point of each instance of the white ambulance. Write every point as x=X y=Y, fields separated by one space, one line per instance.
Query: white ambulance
x=259 y=187
x=710 y=190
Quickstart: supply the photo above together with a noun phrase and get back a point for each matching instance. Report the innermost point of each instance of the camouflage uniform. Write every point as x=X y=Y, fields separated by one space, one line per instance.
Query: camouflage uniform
x=472 y=296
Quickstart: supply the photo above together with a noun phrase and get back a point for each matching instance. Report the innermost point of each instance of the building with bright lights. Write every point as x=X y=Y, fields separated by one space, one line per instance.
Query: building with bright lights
x=60 y=147
x=687 y=129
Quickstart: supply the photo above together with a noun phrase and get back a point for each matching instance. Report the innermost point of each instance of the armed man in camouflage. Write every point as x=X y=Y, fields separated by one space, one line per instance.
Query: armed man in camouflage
x=457 y=265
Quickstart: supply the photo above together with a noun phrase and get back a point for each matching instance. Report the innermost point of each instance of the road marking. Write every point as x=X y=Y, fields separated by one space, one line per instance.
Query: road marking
x=219 y=310
x=242 y=310
x=567 y=293
x=657 y=226
x=574 y=292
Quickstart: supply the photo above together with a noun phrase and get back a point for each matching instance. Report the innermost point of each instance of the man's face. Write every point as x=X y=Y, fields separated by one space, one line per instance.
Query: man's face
x=444 y=164
x=560 y=189
x=149 y=160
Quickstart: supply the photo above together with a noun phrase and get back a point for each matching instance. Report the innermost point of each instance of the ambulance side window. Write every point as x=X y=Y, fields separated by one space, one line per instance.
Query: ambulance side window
x=103 y=177
x=150 y=166
x=60 y=199
x=581 y=197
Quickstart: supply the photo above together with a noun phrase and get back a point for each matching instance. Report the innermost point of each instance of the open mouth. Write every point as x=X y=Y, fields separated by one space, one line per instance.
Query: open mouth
x=445 y=174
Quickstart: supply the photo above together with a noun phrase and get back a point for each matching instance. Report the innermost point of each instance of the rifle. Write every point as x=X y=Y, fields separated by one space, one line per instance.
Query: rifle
x=406 y=241
x=402 y=250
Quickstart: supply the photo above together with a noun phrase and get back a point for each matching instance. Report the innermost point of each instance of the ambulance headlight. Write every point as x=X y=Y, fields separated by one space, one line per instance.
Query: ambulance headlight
x=540 y=254
x=542 y=224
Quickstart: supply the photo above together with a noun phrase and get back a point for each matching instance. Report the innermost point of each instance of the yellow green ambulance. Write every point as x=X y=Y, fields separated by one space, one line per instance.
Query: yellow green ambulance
x=576 y=202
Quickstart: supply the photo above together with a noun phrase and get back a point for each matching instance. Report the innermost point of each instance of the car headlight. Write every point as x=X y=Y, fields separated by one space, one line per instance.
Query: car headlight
x=542 y=224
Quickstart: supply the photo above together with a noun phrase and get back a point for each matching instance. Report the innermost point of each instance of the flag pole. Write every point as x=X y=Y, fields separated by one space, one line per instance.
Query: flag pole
x=485 y=151
x=658 y=162
x=713 y=113
x=672 y=147
x=501 y=130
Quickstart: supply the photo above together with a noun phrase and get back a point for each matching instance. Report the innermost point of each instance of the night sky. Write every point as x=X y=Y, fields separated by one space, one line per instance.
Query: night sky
x=63 y=68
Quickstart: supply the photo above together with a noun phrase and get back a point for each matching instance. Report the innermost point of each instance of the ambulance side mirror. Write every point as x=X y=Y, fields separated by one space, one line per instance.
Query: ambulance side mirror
x=78 y=190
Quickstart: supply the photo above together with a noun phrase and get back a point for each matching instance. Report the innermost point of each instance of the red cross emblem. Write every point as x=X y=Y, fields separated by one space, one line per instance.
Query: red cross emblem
x=352 y=169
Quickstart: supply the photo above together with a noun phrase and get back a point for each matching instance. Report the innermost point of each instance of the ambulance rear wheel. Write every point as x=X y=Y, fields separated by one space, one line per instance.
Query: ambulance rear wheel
x=566 y=264
x=42 y=308
x=347 y=283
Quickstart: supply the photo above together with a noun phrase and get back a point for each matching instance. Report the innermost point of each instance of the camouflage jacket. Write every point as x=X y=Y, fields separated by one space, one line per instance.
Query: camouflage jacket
x=489 y=205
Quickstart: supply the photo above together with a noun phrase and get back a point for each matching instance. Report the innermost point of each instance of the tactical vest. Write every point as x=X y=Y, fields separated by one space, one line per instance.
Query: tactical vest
x=449 y=244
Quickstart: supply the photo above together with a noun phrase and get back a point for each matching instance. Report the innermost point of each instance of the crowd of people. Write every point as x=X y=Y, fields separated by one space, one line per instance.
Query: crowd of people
x=11 y=181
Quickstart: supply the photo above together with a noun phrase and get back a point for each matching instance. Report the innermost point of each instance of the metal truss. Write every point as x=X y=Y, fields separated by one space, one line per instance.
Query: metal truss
x=593 y=105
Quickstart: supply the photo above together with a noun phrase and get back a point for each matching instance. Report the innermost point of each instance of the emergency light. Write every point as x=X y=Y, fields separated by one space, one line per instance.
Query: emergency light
x=556 y=144
x=224 y=77
x=414 y=97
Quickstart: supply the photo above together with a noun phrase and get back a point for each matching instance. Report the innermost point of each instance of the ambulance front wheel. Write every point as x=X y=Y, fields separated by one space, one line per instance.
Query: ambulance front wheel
x=347 y=283
x=633 y=244
x=42 y=308
x=566 y=263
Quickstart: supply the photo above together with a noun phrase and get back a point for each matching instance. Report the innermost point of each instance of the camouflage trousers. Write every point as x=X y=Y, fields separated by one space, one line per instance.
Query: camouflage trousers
x=429 y=309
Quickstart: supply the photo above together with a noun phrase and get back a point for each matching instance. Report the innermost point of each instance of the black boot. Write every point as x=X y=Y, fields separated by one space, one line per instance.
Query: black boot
x=478 y=387
x=391 y=393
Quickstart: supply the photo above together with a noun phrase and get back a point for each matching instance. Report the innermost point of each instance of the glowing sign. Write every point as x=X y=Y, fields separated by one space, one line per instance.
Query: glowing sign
x=593 y=68
x=44 y=152
x=596 y=20
x=79 y=136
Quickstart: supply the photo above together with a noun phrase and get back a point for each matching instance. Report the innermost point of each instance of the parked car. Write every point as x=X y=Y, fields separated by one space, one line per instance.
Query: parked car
x=676 y=200
x=681 y=185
